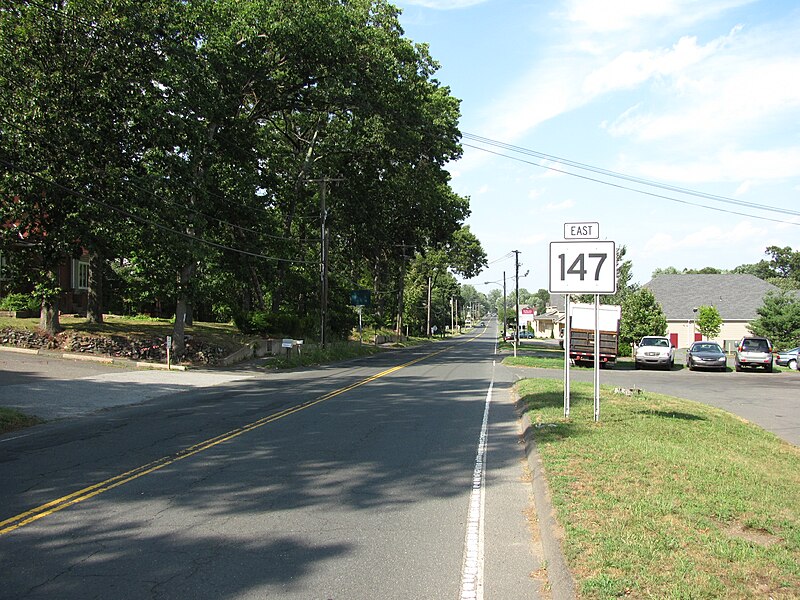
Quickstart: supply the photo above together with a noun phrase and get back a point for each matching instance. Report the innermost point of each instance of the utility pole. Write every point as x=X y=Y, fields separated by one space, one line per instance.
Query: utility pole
x=428 y=327
x=505 y=310
x=516 y=278
x=400 y=302
x=323 y=190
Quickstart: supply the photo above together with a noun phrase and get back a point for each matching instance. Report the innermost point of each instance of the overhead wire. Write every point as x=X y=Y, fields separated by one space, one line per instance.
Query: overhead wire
x=502 y=258
x=128 y=180
x=135 y=217
x=632 y=189
x=626 y=177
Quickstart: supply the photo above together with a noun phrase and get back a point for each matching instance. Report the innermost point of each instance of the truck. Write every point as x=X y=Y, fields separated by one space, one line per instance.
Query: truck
x=581 y=340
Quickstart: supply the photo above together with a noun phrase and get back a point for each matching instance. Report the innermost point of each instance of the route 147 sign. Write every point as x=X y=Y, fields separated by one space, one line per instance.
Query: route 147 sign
x=583 y=267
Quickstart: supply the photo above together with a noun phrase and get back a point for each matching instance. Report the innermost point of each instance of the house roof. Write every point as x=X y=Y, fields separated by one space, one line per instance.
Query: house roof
x=736 y=297
x=558 y=301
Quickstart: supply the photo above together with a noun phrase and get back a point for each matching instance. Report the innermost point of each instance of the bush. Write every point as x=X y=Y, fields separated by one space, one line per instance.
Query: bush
x=264 y=323
x=20 y=302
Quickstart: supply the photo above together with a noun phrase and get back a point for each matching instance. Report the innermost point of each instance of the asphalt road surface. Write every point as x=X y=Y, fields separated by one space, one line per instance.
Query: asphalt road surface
x=400 y=476
x=362 y=480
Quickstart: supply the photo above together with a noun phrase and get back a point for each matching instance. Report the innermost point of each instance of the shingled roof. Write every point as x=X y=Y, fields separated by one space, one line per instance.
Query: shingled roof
x=736 y=297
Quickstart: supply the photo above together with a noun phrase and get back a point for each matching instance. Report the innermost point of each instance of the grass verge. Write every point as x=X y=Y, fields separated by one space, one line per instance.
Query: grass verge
x=667 y=498
x=12 y=420
x=314 y=355
x=542 y=362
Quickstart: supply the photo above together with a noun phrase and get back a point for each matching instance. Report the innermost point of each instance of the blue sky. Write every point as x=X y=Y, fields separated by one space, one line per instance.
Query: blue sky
x=702 y=95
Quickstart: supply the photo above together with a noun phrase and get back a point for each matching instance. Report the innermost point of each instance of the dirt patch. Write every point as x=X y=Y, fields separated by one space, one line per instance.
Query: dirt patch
x=757 y=536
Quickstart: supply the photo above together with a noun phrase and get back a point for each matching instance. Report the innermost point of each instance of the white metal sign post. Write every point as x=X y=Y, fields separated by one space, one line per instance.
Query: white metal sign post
x=588 y=266
x=566 y=356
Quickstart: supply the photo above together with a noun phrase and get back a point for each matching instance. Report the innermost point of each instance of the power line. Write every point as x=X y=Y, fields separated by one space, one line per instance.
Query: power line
x=631 y=178
x=150 y=222
x=502 y=258
x=632 y=189
x=128 y=180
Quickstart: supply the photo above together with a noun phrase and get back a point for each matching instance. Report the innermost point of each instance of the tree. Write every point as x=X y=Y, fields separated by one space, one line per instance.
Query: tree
x=541 y=299
x=624 y=285
x=779 y=319
x=641 y=315
x=709 y=321
x=178 y=140
x=782 y=269
x=665 y=271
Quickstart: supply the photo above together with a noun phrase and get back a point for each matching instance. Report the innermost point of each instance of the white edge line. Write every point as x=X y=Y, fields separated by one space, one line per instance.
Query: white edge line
x=472 y=569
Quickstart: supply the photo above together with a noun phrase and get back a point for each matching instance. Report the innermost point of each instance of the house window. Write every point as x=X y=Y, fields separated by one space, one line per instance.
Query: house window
x=80 y=275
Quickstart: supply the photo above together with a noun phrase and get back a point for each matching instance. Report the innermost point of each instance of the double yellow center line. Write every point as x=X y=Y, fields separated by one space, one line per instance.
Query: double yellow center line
x=58 y=504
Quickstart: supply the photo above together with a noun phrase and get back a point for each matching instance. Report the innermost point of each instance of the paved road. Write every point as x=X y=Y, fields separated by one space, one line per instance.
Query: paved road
x=347 y=482
x=52 y=387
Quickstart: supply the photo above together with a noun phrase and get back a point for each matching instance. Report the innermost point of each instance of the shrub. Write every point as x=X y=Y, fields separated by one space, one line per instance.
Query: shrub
x=264 y=323
x=20 y=302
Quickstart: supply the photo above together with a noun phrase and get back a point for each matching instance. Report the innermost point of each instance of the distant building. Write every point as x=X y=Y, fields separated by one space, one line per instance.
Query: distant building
x=526 y=317
x=736 y=297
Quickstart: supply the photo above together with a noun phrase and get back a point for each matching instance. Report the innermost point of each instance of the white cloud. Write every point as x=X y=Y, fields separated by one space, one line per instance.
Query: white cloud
x=534 y=239
x=743 y=188
x=625 y=15
x=630 y=69
x=729 y=165
x=711 y=238
x=721 y=102
x=559 y=206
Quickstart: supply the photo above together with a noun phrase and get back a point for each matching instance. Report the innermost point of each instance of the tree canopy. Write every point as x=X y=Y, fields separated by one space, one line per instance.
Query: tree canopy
x=199 y=149
x=709 y=321
x=641 y=315
x=779 y=319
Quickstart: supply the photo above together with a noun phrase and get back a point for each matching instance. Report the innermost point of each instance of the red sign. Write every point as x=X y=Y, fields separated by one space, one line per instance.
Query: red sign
x=528 y=311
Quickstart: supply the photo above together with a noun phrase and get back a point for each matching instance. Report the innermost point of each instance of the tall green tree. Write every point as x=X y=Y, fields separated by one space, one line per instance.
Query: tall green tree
x=642 y=315
x=185 y=138
x=782 y=269
x=72 y=74
x=624 y=285
x=779 y=319
x=435 y=268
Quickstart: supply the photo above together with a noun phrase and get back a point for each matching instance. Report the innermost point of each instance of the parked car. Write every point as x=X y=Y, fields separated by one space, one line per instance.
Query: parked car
x=654 y=350
x=526 y=335
x=509 y=337
x=788 y=358
x=706 y=355
x=753 y=353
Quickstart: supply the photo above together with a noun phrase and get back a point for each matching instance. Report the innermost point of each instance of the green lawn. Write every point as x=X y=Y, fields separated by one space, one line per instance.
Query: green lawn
x=667 y=498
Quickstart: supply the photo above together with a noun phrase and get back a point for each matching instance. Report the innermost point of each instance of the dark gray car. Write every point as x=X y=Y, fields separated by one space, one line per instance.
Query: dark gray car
x=706 y=355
